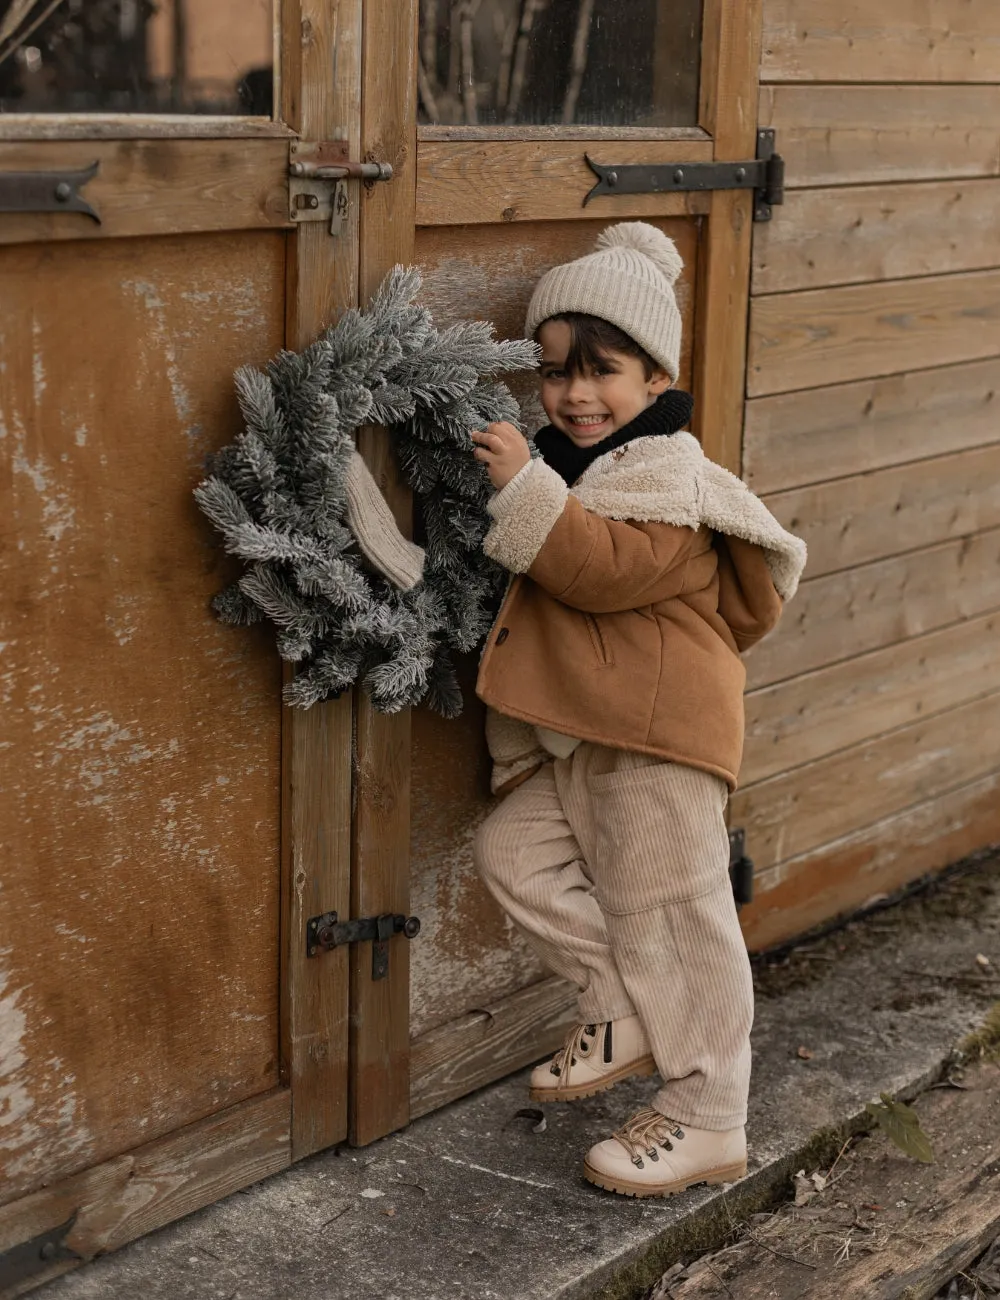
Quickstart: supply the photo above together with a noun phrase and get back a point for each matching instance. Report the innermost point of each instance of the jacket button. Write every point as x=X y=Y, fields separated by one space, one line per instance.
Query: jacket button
x=502 y=635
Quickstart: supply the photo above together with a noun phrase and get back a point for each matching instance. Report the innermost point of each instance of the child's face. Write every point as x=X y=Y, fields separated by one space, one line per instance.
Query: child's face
x=591 y=406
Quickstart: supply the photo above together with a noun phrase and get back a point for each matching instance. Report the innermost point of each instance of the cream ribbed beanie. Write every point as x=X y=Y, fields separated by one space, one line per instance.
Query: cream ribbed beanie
x=629 y=281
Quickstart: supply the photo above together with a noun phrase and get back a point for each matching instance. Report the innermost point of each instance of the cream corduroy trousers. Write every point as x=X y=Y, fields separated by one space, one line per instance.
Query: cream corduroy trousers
x=615 y=866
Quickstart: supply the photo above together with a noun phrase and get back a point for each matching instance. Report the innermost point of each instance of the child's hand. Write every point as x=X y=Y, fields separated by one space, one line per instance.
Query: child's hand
x=503 y=450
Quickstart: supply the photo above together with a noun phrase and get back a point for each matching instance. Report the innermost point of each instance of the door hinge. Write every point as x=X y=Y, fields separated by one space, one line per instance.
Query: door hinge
x=21 y=1262
x=765 y=175
x=326 y=932
x=318 y=172
x=47 y=191
x=740 y=866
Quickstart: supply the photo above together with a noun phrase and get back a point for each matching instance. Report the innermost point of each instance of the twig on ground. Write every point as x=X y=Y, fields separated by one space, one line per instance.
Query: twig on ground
x=720 y=1280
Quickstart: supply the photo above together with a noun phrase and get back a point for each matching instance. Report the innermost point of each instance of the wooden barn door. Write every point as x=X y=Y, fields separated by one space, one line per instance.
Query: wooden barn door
x=505 y=98
x=166 y=830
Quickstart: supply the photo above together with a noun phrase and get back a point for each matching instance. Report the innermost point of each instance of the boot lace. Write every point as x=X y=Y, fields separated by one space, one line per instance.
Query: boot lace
x=646 y=1131
x=579 y=1043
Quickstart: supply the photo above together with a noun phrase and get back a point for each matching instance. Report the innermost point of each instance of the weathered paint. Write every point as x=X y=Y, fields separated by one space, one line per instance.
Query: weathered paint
x=140 y=755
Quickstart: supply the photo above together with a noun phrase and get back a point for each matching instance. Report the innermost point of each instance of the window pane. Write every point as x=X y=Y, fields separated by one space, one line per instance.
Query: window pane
x=560 y=62
x=136 y=56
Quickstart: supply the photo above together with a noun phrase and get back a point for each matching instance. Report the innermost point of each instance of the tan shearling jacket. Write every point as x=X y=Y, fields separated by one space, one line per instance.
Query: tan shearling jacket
x=634 y=594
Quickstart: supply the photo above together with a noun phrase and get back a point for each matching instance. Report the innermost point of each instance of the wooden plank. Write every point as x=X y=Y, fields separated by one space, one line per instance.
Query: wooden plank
x=877 y=232
x=559 y=133
x=155 y=187
x=868 y=516
x=138 y=126
x=380 y=1022
x=798 y=811
x=857 y=135
x=839 y=877
x=533 y=180
x=898 y=40
x=139 y=767
x=728 y=95
x=826 y=336
x=798 y=721
x=322 y=280
x=484 y=1045
x=792 y=439
x=155 y=1184
x=892 y=1230
x=875 y=605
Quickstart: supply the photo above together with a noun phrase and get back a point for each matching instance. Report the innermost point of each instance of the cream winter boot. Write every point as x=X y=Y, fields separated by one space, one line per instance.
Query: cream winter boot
x=655 y=1156
x=595 y=1058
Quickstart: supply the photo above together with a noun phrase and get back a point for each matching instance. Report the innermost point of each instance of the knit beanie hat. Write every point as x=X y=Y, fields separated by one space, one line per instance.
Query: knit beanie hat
x=629 y=281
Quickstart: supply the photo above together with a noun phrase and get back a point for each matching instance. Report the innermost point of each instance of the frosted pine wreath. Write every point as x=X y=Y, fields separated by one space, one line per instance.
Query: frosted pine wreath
x=292 y=498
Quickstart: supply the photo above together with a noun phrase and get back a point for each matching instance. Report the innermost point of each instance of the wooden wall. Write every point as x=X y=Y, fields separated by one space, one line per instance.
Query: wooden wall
x=873 y=430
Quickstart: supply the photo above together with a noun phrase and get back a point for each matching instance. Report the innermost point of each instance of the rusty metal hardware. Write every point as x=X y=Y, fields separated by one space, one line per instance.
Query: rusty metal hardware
x=740 y=866
x=326 y=931
x=23 y=1261
x=47 y=191
x=765 y=175
x=318 y=172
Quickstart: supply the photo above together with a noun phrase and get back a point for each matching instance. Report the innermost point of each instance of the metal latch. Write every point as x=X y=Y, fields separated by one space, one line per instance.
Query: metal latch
x=47 y=191
x=765 y=175
x=326 y=932
x=28 y=1258
x=318 y=172
x=740 y=866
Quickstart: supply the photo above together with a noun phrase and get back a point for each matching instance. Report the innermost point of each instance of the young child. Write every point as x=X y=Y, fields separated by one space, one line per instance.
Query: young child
x=615 y=684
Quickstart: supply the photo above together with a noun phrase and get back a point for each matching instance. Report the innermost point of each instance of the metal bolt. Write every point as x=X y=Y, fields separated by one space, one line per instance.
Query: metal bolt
x=741 y=173
x=48 y=1251
x=612 y=179
x=64 y=192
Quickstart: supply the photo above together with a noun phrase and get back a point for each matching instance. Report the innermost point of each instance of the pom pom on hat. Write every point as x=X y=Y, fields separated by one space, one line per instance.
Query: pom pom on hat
x=646 y=239
x=628 y=280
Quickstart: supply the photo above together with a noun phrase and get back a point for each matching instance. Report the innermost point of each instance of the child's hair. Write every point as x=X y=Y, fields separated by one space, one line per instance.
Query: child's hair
x=592 y=339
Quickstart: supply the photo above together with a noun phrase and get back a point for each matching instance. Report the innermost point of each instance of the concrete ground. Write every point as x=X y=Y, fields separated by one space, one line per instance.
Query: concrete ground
x=479 y=1200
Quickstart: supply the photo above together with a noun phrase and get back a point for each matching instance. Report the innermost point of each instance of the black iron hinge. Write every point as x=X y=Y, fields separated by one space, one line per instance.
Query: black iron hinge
x=765 y=175
x=740 y=866
x=325 y=932
x=28 y=1258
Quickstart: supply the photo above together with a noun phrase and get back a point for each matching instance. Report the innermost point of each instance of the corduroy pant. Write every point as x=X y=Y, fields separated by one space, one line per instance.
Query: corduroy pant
x=615 y=866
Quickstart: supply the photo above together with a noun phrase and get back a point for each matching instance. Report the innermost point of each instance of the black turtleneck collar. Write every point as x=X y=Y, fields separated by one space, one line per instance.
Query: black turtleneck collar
x=670 y=412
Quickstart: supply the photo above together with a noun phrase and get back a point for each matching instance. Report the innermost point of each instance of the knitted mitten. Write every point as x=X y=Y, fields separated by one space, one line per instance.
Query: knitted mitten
x=515 y=750
x=374 y=529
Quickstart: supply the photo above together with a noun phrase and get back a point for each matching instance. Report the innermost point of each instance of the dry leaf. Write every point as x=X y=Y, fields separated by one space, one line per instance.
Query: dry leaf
x=804 y=1189
x=804 y=1054
x=901 y=1125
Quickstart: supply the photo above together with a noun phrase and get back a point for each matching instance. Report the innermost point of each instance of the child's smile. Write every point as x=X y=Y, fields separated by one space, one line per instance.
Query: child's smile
x=590 y=405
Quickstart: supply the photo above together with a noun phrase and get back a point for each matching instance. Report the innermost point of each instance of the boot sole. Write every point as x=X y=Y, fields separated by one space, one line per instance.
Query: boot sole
x=635 y=1069
x=625 y=1187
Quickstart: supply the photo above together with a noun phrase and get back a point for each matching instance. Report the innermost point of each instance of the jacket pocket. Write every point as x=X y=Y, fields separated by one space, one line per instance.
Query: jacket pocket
x=604 y=656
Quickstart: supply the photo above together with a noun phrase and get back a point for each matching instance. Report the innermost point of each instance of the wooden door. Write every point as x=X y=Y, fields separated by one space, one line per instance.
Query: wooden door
x=167 y=827
x=510 y=96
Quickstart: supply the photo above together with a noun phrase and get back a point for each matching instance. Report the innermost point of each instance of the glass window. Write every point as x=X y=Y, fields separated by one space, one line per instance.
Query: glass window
x=560 y=62
x=136 y=56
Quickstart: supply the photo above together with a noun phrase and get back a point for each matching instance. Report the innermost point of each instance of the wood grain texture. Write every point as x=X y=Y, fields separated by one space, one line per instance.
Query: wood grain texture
x=380 y=1031
x=486 y=1044
x=873 y=605
x=857 y=135
x=921 y=1223
x=140 y=763
x=798 y=811
x=877 y=232
x=839 y=877
x=868 y=516
x=794 y=439
x=730 y=53
x=819 y=713
x=527 y=180
x=897 y=40
x=154 y=1184
x=322 y=280
x=138 y=126
x=155 y=187
x=826 y=336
